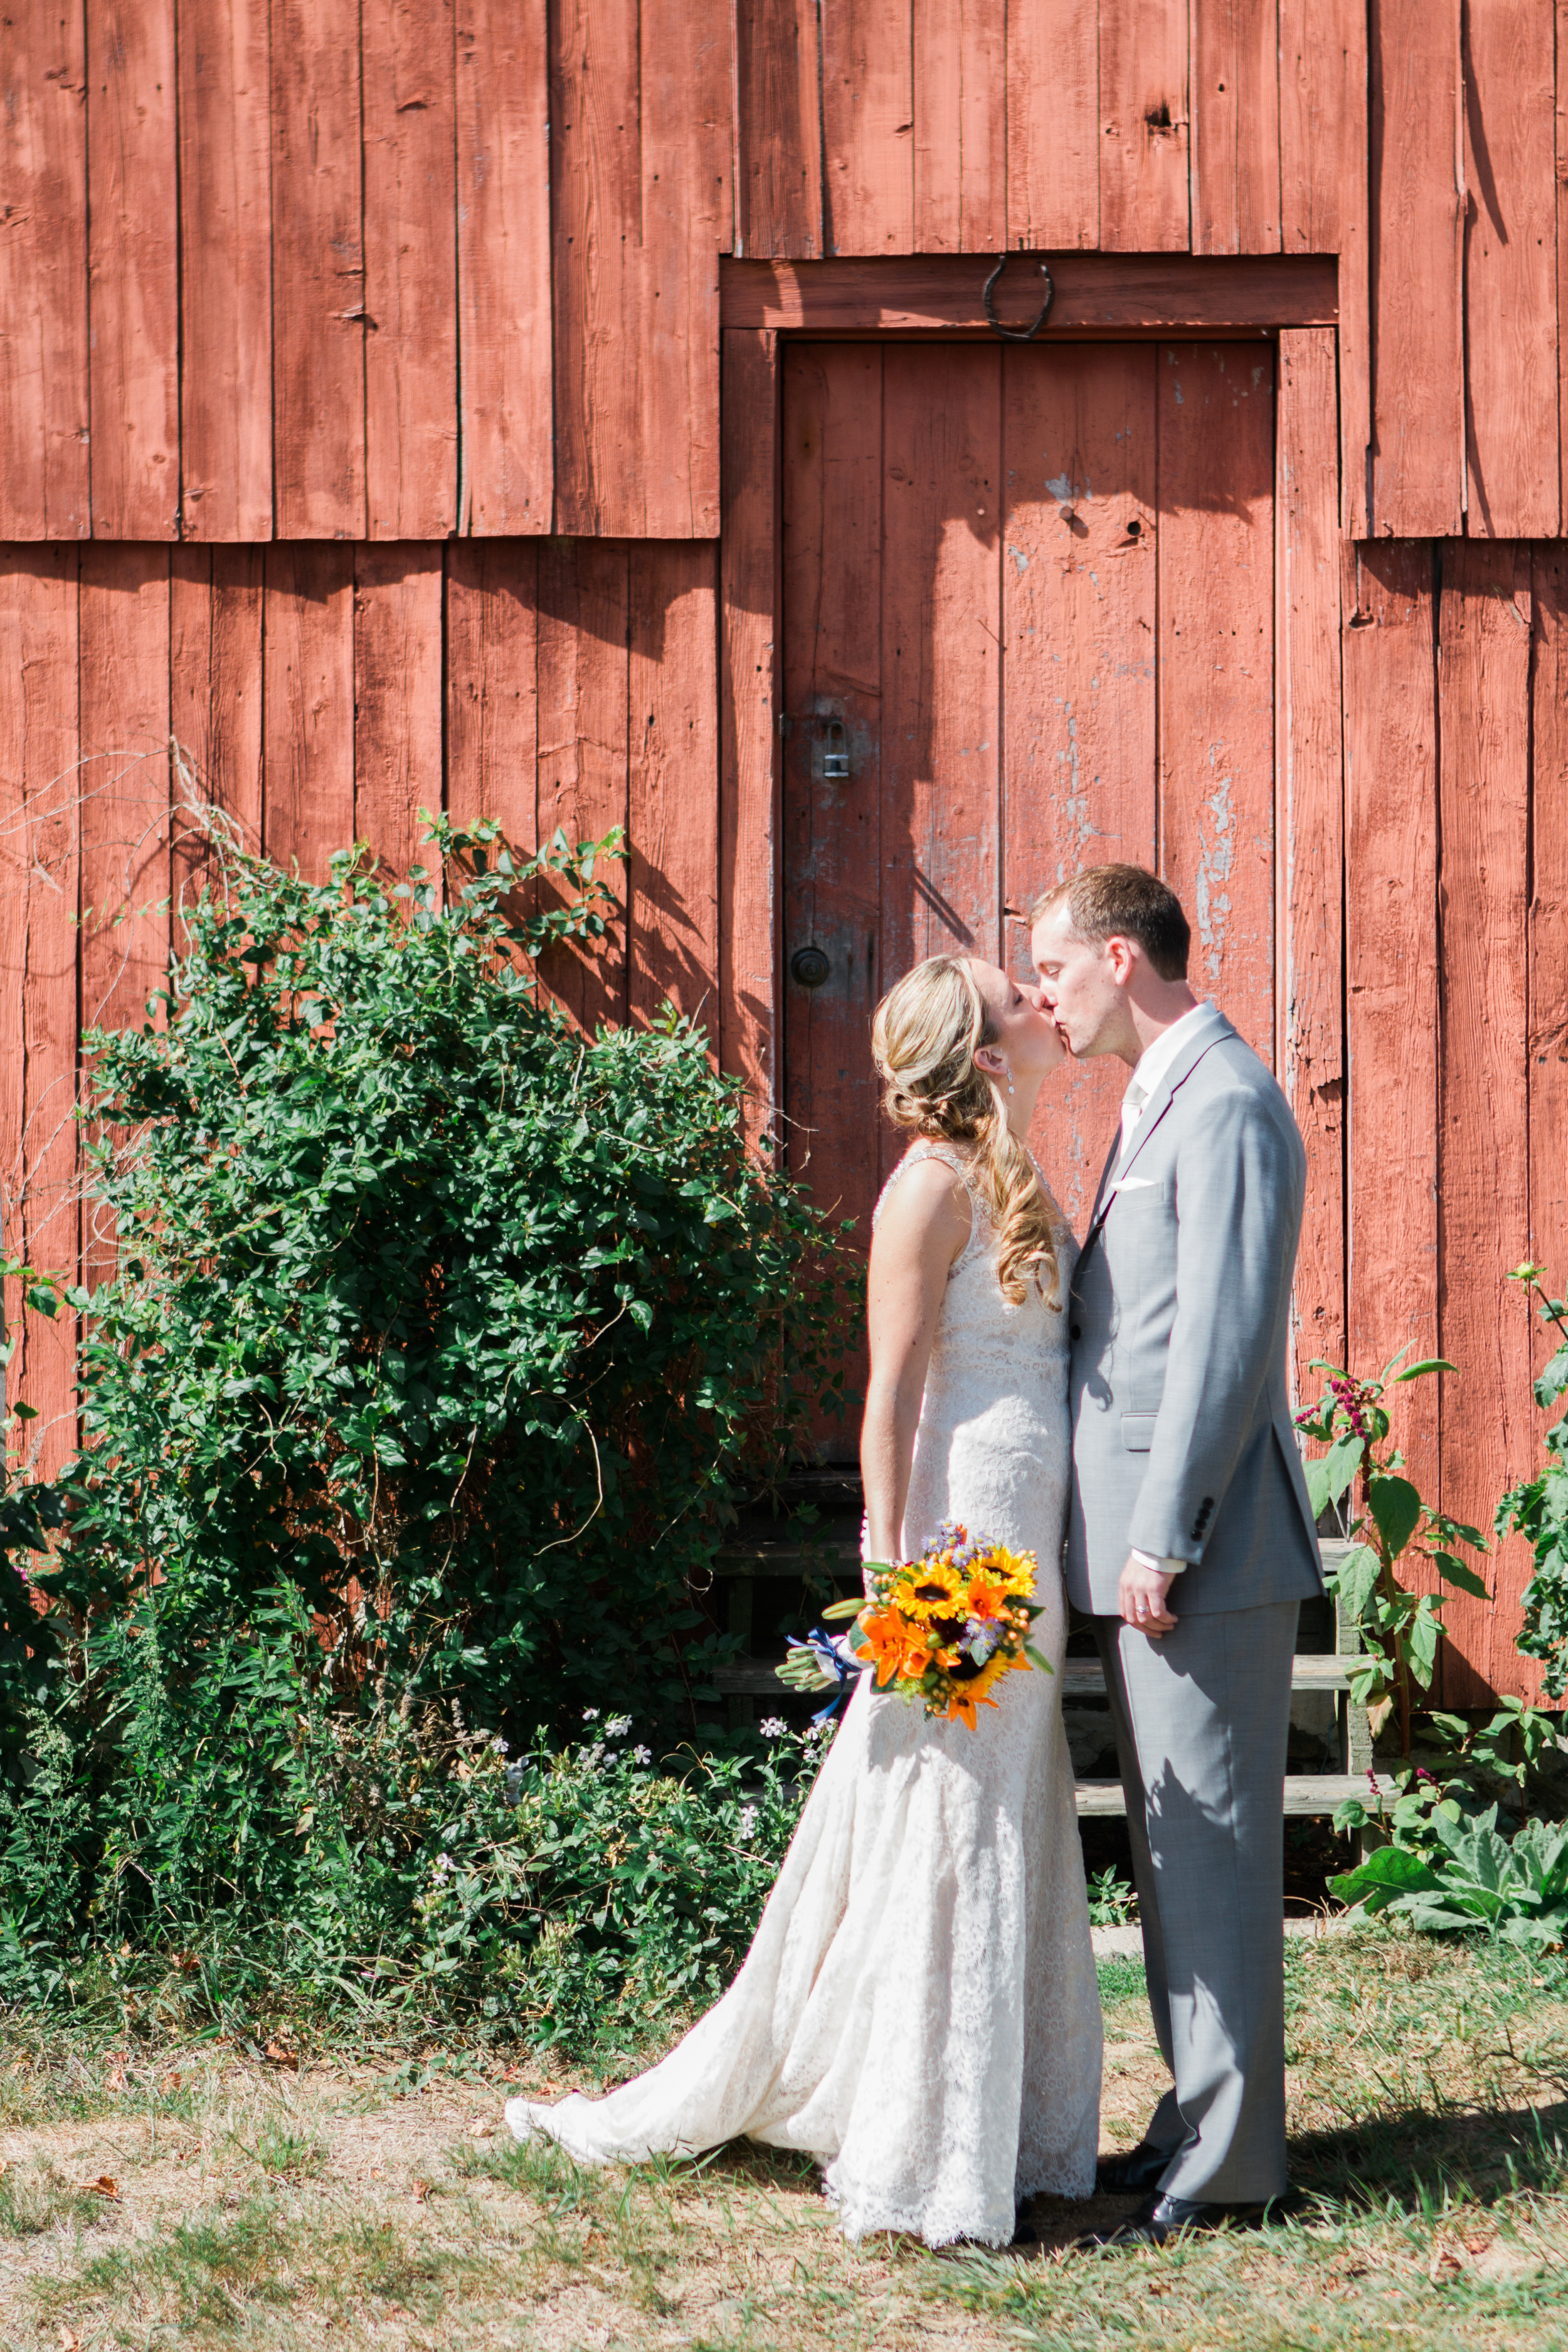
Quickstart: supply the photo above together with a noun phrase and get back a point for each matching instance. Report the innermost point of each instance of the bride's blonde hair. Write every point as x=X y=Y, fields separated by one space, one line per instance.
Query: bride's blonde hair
x=924 y=1037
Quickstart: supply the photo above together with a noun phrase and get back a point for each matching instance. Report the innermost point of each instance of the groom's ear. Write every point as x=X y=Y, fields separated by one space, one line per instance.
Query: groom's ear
x=1121 y=954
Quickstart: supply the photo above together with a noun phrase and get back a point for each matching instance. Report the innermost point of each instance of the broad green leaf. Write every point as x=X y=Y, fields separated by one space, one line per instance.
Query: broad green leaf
x=1550 y=1384
x=1431 y=1364
x=1330 y=1474
x=1458 y=1573
x=1395 y=1505
x=1355 y=1580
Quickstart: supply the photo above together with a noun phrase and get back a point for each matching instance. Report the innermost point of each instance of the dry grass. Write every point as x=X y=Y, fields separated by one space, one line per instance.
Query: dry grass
x=195 y=2197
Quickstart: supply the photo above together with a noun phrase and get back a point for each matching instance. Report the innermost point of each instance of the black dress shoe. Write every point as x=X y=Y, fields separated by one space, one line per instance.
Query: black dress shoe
x=1130 y=2174
x=1160 y=2218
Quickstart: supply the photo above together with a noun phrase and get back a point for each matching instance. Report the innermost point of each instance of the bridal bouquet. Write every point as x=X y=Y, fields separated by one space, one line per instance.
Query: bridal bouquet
x=946 y=1627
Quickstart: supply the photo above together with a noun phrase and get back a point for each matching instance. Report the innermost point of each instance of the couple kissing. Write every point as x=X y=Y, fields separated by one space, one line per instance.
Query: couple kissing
x=918 y=2010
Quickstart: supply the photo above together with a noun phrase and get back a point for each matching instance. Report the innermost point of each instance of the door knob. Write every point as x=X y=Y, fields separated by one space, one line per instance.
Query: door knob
x=809 y=967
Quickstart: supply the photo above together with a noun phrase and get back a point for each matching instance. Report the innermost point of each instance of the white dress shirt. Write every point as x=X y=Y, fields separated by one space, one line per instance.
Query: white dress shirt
x=1148 y=1073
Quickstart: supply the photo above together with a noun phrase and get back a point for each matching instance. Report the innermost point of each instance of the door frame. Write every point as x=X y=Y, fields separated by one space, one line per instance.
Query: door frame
x=1291 y=301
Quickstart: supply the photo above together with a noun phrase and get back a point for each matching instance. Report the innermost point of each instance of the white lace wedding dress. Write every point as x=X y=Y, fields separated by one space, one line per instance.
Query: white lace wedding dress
x=919 y=2008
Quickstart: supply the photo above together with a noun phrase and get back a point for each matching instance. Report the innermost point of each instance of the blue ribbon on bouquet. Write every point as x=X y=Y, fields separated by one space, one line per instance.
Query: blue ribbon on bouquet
x=830 y=1660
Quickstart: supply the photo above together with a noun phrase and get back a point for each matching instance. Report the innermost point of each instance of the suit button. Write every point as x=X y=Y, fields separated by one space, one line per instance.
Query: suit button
x=1077 y=1331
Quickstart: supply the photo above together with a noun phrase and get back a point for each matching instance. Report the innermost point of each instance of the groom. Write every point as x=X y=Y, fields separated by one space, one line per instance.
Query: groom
x=1190 y=1538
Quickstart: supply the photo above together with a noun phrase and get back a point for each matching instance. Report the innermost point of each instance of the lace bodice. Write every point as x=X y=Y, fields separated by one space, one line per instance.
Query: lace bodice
x=988 y=1353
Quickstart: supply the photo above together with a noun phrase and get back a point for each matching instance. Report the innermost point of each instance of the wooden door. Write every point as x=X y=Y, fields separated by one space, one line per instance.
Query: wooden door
x=1028 y=626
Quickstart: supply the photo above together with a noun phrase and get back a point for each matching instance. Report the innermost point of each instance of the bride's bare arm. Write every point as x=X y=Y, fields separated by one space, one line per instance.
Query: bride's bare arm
x=922 y=1230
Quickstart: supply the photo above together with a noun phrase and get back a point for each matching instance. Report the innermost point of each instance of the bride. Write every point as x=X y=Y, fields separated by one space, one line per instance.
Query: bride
x=919 y=2010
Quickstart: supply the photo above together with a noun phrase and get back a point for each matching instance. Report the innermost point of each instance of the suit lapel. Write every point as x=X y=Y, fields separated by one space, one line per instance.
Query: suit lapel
x=1205 y=1035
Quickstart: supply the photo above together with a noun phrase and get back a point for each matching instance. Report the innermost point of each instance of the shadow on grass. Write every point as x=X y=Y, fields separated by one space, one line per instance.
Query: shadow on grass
x=1410 y=2156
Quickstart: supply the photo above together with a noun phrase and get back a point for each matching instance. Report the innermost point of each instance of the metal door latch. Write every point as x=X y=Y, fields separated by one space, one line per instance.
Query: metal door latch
x=830 y=754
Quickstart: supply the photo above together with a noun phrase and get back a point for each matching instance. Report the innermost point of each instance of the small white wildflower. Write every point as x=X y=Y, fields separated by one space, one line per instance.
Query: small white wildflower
x=773 y=1726
x=593 y=1757
x=499 y=1744
x=642 y=1755
x=590 y=1714
x=443 y=1865
x=746 y=1827
x=617 y=1725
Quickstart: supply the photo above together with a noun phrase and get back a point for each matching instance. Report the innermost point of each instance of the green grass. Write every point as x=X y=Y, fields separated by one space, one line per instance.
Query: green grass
x=349 y=2207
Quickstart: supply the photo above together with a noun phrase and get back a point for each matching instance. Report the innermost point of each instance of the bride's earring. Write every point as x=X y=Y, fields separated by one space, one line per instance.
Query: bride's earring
x=1011 y=1088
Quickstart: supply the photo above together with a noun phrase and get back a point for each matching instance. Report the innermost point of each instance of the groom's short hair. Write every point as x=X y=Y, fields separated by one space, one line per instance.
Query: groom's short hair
x=1124 y=902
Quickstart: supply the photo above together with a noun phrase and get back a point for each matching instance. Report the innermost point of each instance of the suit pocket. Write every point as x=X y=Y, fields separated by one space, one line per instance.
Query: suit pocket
x=1137 y=1432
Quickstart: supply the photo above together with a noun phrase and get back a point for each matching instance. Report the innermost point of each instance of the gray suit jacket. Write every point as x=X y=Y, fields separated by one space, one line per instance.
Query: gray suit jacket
x=1182 y=1443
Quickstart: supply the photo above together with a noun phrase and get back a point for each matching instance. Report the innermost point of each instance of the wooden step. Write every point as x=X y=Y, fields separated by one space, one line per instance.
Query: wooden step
x=1081 y=1677
x=1305 y=1793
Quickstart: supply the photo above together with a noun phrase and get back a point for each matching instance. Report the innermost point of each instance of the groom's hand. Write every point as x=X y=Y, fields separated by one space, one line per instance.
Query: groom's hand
x=1141 y=1597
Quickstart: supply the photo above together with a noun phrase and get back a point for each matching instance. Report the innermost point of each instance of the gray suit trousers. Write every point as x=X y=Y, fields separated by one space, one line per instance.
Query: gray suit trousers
x=1201 y=1720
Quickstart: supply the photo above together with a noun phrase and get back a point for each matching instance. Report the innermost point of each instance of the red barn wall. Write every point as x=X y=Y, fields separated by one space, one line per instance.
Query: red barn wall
x=361 y=426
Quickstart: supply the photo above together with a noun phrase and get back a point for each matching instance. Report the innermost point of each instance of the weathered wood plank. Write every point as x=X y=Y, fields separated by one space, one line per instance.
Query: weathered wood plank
x=942 y=658
x=410 y=268
x=1053 y=125
x=685 y=91
x=1309 y=797
x=308 y=726
x=492 y=686
x=868 y=128
x=1105 y=293
x=961 y=125
x=1079 y=558
x=124 y=806
x=506 y=442
x=778 y=129
x=399 y=690
x=1390 y=974
x=39 y=867
x=1144 y=205
x=134 y=293
x=833 y=580
x=318 y=271
x=672 y=948
x=1488 y=1435
x=600 y=462
x=1235 y=127
x=1548 y=973
x=1216 y=410
x=748 y=805
x=583 y=623
x=44 y=447
x=226 y=271
x=1417 y=291
x=1510 y=271
x=215 y=623
x=1323 y=198
x=1561 y=145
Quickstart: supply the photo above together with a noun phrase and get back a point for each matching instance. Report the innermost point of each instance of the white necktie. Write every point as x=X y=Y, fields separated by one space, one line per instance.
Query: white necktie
x=1133 y=1103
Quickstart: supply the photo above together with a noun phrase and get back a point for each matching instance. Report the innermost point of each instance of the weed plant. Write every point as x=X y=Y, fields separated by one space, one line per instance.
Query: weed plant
x=441 y=1341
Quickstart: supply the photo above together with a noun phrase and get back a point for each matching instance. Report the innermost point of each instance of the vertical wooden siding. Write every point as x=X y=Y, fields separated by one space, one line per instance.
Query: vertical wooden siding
x=437 y=266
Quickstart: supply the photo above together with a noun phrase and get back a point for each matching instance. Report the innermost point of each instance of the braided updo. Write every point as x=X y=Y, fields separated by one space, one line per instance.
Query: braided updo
x=924 y=1037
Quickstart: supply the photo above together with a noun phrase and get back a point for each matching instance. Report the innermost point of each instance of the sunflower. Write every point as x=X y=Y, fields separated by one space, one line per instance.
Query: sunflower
x=976 y=1691
x=928 y=1589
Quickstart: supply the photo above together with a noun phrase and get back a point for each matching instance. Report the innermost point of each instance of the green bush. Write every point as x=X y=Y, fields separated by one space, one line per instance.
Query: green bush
x=442 y=1341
